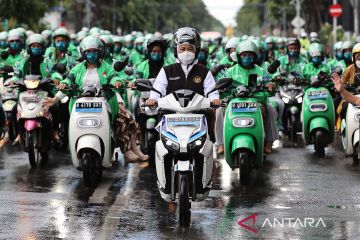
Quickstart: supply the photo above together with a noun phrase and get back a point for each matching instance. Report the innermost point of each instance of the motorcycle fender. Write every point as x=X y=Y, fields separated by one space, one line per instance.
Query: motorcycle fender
x=318 y=122
x=31 y=124
x=207 y=152
x=356 y=137
x=160 y=153
x=89 y=141
x=243 y=141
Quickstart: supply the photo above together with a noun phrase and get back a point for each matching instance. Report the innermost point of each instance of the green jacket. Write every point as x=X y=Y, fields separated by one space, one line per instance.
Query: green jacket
x=334 y=63
x=143 y=69
x=285 y=65
x=310 y=70
x=170 y=58
x=11 y=60
x=136 y=58
x=107 y=75
x=71 y=51
x=240 y=76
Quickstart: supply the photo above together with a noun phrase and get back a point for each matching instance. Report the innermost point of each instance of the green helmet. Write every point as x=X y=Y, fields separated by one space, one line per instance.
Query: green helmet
x=35 y=38
x=260 y=44
x=46 y=33
x=73 y=36
x=129 y=38
x=269 y=40
x=14 y=34
x=81 y=35
x=118 y=39
x=347 y=45
x=91 y=42
x=3 y=36
x=61 y=32
x=316 y=49
x=94 y=30
x=337 y=46
x=139 y=40
x=107 y=40
x=232 y=43
x=246 y=46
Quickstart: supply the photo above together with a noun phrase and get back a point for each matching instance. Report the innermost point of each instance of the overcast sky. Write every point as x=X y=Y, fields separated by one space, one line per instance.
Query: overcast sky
x=224 y=10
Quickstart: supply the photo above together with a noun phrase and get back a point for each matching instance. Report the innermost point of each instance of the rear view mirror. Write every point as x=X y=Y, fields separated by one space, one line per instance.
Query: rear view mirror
x=252 y=80
x=221 y=85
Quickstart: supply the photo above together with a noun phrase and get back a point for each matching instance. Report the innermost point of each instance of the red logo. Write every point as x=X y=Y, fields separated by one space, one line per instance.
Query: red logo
x=253 y=218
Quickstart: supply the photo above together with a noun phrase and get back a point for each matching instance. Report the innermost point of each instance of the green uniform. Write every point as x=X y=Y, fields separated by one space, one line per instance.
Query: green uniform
x=136 y=58
x=107 y=75
x=310 y=70
x=240 y=76
x=71 y=51
x=334 y=63
x=143 y=69
x=285 y=65
x=11 y=60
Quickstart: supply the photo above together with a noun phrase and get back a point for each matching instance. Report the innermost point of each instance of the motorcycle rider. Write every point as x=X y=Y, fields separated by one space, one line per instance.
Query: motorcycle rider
x=137 y=54
x=62 y=49
x=15 y=51
x=247 y=56
x=337 y=61
x=347 y=78
x=316 y=65
x=119 y=54
x=186 y=73
x=293 y=61
x=3 y=41
x=35 y=64
x=346 y=49
x=97 y=72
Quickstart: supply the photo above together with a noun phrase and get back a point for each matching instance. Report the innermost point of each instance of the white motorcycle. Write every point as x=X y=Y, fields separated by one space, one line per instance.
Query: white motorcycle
x=350 y=132
x=184 y=160
x=34 y=120
x=90 y=135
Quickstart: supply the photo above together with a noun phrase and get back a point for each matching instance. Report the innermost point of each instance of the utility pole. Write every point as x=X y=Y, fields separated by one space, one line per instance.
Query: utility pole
x=356 y=17
x=334 y=25
x=298 y=8
x=114 y=17
x=88 y=14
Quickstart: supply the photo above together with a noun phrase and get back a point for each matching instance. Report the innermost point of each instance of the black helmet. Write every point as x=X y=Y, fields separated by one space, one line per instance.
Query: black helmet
x=293 y=41
x=156 y=41
x=187 y=35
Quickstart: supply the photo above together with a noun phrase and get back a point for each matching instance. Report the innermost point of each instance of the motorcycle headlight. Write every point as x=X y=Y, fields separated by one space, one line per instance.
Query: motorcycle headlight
x=318 y=107
x=88 y=122
x=299 y=100
x=285 y=100
x=197 y=143
x=357 y=116
x=170 y=144
x=243 y=122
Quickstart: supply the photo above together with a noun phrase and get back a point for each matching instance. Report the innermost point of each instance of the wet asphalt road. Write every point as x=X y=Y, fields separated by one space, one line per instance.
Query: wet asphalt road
x=53 y=203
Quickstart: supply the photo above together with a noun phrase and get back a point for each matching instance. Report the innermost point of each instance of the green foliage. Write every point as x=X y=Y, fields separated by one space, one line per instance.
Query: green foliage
x=26 y=13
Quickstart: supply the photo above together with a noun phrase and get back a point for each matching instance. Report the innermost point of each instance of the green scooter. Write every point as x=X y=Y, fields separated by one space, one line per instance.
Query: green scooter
x=318 y=114
x=244 y=130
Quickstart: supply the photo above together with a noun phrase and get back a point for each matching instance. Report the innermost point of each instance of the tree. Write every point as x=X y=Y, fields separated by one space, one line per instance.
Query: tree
x=25 y=13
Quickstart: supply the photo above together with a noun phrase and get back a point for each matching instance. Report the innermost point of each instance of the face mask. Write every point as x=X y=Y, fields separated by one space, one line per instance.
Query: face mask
x=233 y=56
x=186 y=57
x=357 y=63
x=61 y=46
x=117 y=49
x=140 y=48
x=293 y=54
x=155 y=57
x=247 y=61
x=75 y=43
x=339 y=55
x=347 y=56
x=316 y=60
x=3 y=44
x=91 y=57
x=15 y=46
x=129 y=46
x=36 y=51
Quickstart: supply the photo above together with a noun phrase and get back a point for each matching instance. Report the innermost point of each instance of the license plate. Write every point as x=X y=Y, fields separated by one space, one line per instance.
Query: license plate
x=88 y=107
x=34 y=98
x=183 y=121
x=318 y=94
x=244 y=107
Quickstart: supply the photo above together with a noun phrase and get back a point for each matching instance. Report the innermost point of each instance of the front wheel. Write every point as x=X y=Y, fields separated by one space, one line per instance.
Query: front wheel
x=245 y=167
x=320 y=142
x=33 y=152
x=184 y=204
x=294 y=127
x=92 y=173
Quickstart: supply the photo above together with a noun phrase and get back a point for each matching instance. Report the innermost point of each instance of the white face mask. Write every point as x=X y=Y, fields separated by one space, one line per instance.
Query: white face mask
x=357 y=62
x=186 y=57
x=233 y=56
